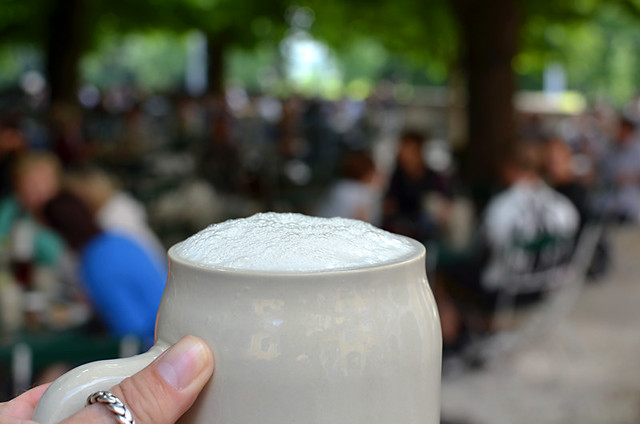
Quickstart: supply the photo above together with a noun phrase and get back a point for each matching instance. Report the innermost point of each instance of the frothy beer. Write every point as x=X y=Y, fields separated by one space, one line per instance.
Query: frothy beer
x=277 y=242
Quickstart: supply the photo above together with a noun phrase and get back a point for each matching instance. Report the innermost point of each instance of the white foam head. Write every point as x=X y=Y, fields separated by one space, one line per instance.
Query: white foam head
x=293 y=242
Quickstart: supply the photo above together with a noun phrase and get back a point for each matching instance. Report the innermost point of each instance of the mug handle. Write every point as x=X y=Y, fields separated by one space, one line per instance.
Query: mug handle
x=68 y=394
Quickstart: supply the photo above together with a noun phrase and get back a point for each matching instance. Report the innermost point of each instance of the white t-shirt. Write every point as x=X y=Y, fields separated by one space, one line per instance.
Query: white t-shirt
x=516 y=221
x=349 y=198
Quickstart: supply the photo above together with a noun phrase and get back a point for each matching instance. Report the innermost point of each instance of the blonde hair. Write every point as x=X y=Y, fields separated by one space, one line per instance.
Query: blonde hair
x=91 y=184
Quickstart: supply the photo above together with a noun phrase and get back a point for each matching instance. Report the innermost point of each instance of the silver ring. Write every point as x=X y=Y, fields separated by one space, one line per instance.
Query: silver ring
x=115 y=405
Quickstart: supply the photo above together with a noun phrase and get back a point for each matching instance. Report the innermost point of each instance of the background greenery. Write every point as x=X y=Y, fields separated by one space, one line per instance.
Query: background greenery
x=597 y=42
x=486 y=50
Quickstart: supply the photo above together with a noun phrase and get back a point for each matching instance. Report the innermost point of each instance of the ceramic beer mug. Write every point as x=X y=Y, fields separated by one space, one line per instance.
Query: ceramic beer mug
x=311 y=321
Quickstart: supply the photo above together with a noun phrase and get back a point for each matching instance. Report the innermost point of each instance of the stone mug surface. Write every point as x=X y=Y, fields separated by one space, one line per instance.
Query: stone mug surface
x=358 y=345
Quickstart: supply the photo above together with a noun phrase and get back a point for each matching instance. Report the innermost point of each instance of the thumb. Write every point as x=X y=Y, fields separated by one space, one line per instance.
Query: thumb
x=163 y=391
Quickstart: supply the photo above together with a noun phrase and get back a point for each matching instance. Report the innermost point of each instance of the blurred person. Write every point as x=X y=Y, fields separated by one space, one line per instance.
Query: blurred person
x=621 y=168
x=68 y=135
x=288 y=129
x=136 y=136
x=219 y=158
x=114 y=209
x=558 y=167
x=122 y=281
x=587 y=138
x=561 y=176
x=322 y=146
x=191 y=119
x=12 y=145
x=417 y=200
x=36 y=179
x=357 y=193
x=132 y=139
x=515 y=225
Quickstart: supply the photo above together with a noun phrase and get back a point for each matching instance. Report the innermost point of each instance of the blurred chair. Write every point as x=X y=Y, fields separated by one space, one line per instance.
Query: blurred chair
x=549 y=289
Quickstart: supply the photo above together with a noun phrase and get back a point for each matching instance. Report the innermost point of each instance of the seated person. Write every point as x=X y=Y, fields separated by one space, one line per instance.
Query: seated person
x=621 y=173
x=527 y=230
x=36 y=179
x=121 y=280
x=413 y=184
x=356 y=195
x=12 y=146
x=114 y=209
x=561 y=176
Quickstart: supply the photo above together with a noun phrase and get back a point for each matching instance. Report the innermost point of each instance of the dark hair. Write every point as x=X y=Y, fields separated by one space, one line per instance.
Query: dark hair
x=413 y=136
x=524 y=155
x=357 y=165
x=72 y=219
x=627 y=122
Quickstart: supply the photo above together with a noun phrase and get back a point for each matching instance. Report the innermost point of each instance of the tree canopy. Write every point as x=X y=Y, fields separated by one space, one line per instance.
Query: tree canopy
x=496 y=45
x=595 y=40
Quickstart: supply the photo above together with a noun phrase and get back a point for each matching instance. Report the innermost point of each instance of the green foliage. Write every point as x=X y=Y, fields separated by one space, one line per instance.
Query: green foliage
x=363 y=59
x=421 y=32
x=22 y=20
x=136 y=58
x=16 y=59
x=240 y=22
x=233 y=22
x=256 y=69
x=597 y=41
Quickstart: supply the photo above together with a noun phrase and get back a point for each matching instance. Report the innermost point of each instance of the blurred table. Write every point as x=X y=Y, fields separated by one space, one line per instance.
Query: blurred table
x=24 y=354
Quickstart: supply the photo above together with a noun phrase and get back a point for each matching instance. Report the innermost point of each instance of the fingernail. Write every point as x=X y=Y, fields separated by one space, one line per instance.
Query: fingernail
x=182 y=362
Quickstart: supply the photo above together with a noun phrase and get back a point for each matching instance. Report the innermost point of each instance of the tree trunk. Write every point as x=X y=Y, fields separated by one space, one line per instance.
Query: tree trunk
x=489 y=38
x=66 y=42
x=216 y=49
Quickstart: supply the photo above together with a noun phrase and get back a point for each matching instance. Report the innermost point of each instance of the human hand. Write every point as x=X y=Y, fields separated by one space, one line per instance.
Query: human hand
x=158 y=394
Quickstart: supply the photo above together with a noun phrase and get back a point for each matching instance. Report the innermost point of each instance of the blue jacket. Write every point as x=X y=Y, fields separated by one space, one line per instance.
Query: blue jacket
x=124 y=284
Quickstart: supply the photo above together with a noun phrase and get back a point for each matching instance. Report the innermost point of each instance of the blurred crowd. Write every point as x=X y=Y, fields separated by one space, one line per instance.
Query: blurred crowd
x=93 y=195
